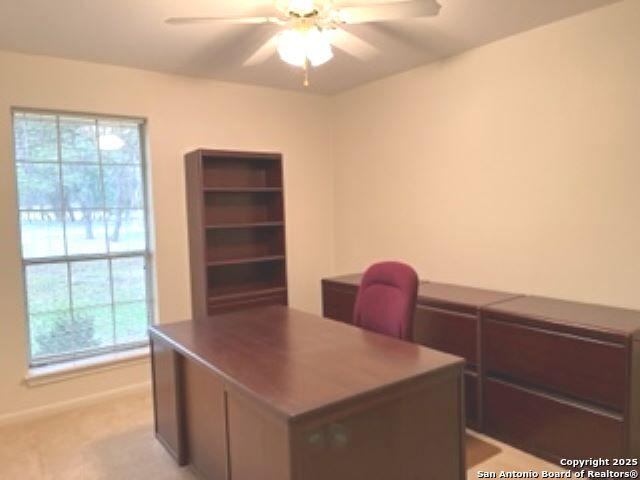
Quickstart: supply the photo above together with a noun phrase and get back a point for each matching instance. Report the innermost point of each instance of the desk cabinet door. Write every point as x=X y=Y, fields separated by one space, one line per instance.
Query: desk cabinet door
x=258 y=441
x=167 y=382
x=205 y=423
x=416 y=435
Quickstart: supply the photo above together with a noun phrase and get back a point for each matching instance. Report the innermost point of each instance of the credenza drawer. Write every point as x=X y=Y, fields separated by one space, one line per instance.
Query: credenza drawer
x=579 y=367
x=550 y=426
x=450 y=332
x=338 y=303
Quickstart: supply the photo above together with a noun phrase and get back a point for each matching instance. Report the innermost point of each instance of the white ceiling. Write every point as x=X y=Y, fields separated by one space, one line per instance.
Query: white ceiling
x=133 y=33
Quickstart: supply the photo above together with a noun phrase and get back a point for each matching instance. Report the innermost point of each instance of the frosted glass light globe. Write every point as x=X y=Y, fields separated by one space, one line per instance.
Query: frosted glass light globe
x=295 y=47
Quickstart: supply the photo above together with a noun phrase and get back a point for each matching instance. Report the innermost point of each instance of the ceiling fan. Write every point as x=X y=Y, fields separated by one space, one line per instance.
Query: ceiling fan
x=309 y=28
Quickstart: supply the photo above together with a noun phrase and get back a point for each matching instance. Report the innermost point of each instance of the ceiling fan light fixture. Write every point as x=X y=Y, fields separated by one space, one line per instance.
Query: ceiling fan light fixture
x=297 y=47
x=291 y=48
x=318 y=47
x=301 y=7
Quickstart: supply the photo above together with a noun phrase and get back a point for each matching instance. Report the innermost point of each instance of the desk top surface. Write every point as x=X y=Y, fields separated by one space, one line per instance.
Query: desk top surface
x=298 y=363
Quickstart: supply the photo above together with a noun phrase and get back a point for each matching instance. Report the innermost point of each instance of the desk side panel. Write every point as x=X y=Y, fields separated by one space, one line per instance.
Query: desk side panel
x=412 y=432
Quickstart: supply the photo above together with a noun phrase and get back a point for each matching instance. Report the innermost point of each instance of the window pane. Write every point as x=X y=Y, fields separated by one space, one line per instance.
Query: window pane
x=129 y=279
x=78 y=140
x=36 y=137
x=42 y=234
x=90 y=284
x=119 y=142
x=91 y=296
x=47 y=288
x=131 y=322
x=93 y=327
x=123 y=186
x=82 y=186
x=86 y=232
x=52 y=334
x=126 y=230
x=38 y=186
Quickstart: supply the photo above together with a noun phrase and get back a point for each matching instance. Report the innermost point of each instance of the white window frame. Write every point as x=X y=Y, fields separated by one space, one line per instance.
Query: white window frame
x=69 y=259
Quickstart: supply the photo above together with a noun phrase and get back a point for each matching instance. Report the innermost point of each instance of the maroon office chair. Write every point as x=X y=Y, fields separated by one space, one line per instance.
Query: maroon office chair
x=386 y=299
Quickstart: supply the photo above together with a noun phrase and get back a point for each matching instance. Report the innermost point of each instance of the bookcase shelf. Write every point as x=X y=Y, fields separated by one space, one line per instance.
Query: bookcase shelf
x=242 y=189
x=236 y=230
x=229 y=226
x=217 y=298
x=240 y=261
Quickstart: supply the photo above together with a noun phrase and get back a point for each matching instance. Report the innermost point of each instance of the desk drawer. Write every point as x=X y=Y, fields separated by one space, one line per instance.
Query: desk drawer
x=338 y=302
x=450 y=332
x=579 y=367
x=549 y=426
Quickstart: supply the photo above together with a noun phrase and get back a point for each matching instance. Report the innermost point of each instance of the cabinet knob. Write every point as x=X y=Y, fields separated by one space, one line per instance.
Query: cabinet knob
x=339 y=435
x=316 y=439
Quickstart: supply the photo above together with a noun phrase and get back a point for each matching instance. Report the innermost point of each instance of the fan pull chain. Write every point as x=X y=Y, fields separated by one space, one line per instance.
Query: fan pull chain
x=306 y=73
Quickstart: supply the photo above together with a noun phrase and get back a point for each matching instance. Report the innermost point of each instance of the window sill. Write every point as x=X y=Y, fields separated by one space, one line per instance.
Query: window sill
x=44 y=375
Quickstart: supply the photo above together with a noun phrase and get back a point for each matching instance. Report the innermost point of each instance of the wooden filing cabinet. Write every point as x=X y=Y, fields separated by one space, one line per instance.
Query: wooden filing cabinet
x=447 y=318
x=562 y=378
x=339 y=297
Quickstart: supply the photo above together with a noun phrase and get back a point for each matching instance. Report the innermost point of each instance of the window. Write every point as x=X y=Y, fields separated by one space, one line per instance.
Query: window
x=83 y=223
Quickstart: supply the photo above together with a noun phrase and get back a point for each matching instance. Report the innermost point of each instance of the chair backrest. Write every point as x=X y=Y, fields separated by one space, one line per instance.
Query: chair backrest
x=386 y=299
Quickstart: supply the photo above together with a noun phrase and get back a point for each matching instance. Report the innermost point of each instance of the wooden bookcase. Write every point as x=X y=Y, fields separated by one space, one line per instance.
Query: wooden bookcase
x=235 y=206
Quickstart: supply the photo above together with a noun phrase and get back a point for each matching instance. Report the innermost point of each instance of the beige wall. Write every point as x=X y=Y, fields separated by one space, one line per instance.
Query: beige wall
x=513 y=166
x=183 y=114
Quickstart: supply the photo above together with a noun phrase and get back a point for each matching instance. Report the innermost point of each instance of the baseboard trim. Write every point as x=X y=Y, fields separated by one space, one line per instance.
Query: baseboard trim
x=64 y=406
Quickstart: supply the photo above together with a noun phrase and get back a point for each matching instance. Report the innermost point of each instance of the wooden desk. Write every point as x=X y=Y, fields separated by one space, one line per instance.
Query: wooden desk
x=276 y=394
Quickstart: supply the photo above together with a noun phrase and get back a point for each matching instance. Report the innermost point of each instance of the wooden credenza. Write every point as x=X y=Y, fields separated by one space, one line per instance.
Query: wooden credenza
x=272 y=393
x=558 y=379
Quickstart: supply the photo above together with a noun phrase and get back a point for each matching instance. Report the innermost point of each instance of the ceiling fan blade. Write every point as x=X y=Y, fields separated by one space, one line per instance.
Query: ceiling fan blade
x=233 y=20
x=389 y=11
x=263 y=53
x=352 y=44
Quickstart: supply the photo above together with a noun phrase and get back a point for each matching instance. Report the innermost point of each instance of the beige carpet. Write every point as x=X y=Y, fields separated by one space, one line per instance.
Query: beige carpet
x=115 y=441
